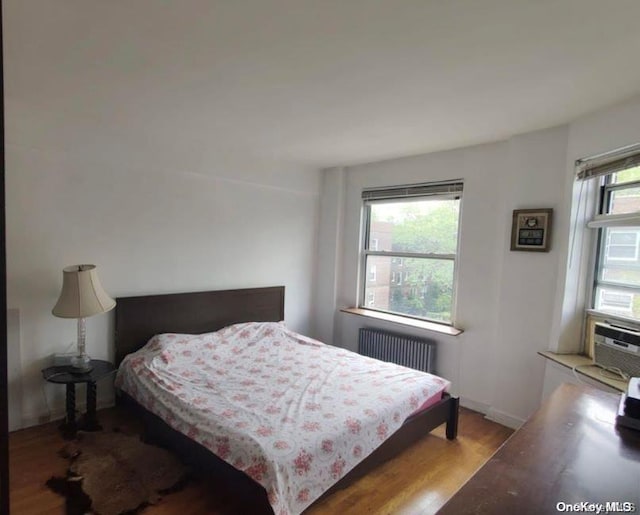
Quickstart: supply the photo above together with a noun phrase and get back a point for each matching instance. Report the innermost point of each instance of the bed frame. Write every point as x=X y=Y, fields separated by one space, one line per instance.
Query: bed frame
x=139 y=318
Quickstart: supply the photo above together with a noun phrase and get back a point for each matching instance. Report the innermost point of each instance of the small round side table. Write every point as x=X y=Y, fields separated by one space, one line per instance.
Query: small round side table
x=64 y=375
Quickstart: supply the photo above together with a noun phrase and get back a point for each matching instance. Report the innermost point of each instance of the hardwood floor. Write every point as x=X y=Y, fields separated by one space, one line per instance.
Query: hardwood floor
x=419 y=481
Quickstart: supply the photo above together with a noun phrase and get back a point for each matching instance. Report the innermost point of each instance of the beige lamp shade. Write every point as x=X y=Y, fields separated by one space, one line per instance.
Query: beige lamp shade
x=82 y=294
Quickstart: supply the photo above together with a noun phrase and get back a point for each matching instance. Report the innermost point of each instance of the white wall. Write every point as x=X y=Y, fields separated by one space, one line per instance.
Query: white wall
x=504 y=298
x=329 y=252
x=528 y=280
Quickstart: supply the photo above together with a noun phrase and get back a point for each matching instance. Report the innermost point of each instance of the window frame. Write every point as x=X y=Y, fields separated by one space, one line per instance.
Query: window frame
x=365 y=251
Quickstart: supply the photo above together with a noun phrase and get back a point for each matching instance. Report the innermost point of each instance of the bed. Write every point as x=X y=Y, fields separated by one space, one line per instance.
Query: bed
x=252 y=316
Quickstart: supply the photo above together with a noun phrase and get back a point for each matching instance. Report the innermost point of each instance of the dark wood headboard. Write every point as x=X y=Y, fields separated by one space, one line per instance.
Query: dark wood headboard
x=139 y=318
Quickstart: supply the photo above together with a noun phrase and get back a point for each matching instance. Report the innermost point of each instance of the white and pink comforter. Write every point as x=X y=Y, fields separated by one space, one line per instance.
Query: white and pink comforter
x=292 y=413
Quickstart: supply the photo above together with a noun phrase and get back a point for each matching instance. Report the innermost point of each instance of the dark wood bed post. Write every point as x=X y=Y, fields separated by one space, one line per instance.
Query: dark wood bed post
x=4 y=401
x=452 y=420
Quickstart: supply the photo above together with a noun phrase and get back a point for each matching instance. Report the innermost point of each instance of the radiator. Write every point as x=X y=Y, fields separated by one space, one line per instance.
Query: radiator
x=404 y=350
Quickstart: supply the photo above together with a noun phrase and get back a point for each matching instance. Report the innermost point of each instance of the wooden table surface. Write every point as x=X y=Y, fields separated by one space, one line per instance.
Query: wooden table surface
x=569 y=451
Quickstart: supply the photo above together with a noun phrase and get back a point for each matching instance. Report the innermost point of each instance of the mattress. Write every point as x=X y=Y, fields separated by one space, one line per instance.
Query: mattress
x=294 y=414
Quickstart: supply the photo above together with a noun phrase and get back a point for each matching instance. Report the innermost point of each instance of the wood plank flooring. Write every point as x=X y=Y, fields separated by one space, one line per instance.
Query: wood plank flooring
x=419 y=481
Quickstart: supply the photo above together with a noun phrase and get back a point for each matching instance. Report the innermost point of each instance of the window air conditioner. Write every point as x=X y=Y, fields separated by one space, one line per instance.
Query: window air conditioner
x=617 y=347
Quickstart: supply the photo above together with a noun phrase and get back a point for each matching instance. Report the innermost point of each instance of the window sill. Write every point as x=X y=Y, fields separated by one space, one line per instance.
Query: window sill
x=411 y=322
x=587 y=368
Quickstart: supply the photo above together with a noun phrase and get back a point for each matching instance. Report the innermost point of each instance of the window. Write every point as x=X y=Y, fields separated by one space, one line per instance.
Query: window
x=410 y=246
x=617 y=274
x=616 y=285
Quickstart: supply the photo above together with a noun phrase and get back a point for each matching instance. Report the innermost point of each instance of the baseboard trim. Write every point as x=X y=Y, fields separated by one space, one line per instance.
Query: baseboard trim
x=480 y=407
x=504 y=418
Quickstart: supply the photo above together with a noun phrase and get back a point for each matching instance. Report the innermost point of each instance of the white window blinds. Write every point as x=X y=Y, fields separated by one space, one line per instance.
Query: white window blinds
x=453 y=188
x=609 y=162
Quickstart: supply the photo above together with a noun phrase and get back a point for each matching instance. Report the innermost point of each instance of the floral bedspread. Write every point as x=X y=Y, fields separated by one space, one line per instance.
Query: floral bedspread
x=292 y=413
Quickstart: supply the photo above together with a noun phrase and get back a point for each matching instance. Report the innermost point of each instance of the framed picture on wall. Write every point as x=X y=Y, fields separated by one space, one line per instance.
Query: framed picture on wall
x=531 y=230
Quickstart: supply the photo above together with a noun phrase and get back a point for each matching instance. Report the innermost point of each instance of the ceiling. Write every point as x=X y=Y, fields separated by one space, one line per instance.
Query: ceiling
x=319 y=82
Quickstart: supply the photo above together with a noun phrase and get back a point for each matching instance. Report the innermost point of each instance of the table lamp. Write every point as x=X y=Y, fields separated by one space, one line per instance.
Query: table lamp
x=82 y=296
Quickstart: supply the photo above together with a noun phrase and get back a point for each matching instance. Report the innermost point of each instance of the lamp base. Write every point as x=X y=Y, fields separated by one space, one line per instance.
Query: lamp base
x=81 y=364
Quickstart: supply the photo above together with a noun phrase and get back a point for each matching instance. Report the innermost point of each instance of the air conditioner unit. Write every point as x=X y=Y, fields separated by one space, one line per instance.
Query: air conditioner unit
x=617 y=347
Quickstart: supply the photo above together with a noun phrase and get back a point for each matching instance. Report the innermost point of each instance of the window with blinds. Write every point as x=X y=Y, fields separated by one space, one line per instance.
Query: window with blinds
x=616 y=284
x=409 y=250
